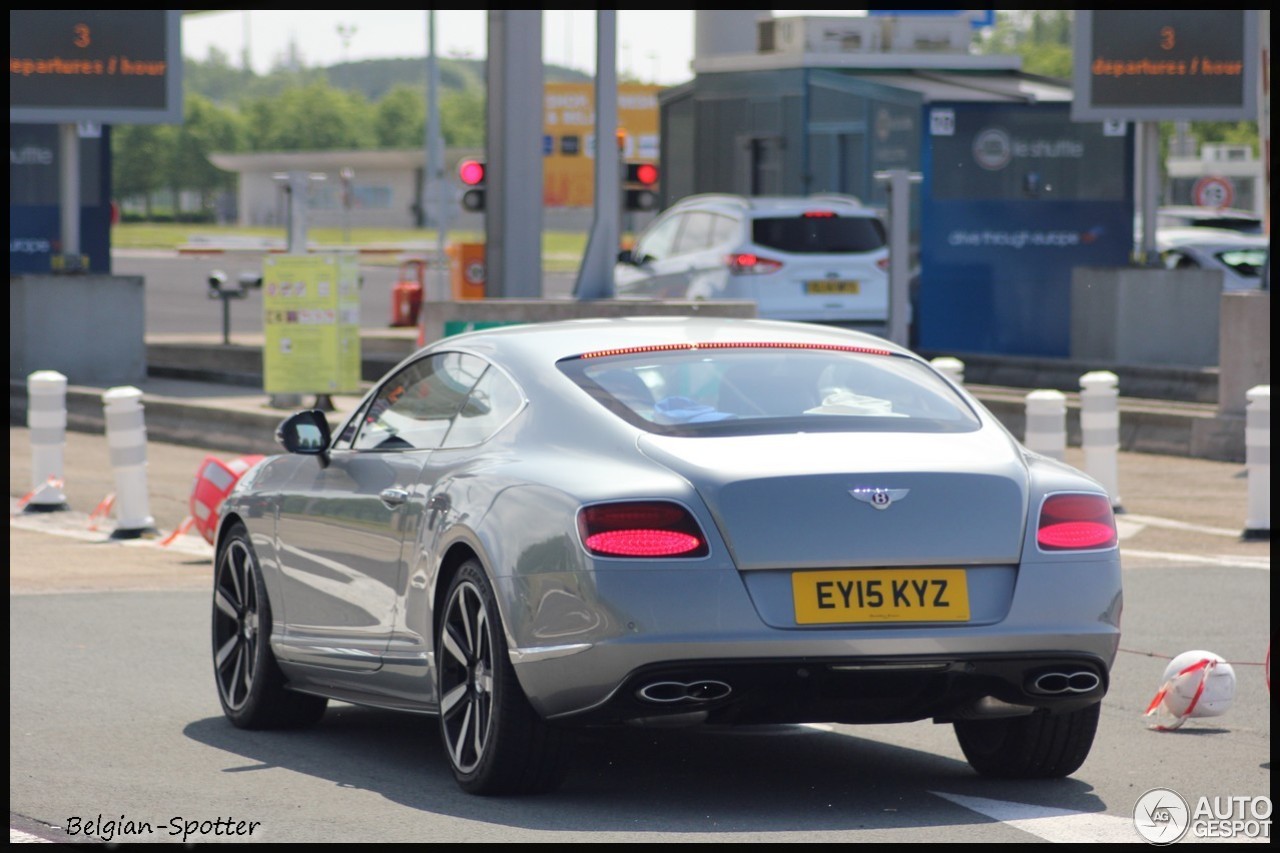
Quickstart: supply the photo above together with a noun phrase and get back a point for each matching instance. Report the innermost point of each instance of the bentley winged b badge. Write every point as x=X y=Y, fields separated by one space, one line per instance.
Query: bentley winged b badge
x=877 y=497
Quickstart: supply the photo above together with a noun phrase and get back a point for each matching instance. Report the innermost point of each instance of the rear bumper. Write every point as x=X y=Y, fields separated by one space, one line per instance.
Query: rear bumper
x=852 y=690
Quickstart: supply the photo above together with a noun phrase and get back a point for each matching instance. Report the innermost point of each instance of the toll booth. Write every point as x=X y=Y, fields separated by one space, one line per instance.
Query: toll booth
x=1013 y=194
x=1013 y=198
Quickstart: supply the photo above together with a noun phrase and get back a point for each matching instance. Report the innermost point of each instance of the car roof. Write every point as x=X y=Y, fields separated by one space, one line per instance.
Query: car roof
x=1190 y=211
x=775 y=204
x=1168 y=238
x=546 y=343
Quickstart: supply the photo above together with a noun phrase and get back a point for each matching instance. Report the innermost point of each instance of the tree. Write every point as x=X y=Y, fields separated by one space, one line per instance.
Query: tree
x=140 y=154
x=205 y=129
x=315 y=117
x=401 y=118
x=462 y=118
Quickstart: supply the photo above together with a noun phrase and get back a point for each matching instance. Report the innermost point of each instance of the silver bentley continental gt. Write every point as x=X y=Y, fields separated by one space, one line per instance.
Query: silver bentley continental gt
x=668 y=521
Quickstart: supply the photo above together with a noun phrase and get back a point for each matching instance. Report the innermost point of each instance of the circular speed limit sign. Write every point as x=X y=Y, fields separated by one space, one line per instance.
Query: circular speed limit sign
x=1213 y=191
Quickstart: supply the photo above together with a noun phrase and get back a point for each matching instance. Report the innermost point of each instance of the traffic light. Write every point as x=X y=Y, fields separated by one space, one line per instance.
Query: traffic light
x=640 y=189
x=472 y=174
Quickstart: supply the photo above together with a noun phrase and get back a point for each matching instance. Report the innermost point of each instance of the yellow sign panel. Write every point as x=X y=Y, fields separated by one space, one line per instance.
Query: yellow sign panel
x=569 y=137
x=311 y=316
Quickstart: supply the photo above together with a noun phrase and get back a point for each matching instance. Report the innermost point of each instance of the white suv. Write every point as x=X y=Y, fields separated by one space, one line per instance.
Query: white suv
x=820 y=258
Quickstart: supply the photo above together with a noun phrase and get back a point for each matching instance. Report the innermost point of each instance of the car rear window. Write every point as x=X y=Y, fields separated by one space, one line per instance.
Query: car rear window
x=751 y=388
x=821 y=232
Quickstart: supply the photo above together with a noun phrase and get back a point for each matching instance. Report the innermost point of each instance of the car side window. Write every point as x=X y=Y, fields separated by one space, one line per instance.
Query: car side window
x=493 y=402
x=696 y=233
x=414 y=408
x=724 y=230
x=657 y=243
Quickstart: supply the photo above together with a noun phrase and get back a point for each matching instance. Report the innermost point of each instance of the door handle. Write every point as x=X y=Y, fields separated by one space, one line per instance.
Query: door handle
x=393 y=498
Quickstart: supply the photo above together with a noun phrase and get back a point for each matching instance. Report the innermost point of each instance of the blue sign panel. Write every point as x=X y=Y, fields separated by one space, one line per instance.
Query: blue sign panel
x=1014 y=198
x=35 y=220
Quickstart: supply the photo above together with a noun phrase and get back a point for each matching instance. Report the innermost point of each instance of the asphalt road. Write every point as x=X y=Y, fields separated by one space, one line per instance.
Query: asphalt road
x=113 y=711
x=177 y=302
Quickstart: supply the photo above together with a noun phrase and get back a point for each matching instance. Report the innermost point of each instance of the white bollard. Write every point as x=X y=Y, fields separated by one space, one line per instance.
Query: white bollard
x=1100 y=429
x=127 y=442
x=1046 y=430
x=953 y=368
x=47 y=426
x=1257 y=456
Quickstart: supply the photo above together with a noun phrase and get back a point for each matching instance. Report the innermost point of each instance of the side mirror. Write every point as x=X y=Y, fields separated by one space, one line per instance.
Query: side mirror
x=306 y=433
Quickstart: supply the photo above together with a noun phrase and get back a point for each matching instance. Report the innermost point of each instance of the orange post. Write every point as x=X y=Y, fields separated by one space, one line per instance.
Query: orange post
x=466 y=270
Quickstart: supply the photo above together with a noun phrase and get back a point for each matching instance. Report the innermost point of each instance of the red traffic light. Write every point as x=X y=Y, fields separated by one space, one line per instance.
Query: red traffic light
x=645 y=174
x=471 y=172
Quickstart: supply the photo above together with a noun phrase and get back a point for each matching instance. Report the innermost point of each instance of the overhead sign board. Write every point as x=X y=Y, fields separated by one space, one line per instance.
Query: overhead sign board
x=1165 y=65
x=68 y=66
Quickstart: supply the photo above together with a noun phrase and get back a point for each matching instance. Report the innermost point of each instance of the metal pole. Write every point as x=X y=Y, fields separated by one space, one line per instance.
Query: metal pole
x=900 y=181
x=435 y=164
x=1149 y=140
x=513 y=139
x=595 y=276
x=69 y=193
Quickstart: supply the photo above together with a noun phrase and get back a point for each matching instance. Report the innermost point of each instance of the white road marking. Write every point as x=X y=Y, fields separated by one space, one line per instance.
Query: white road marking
x=75 y=525
x=1224 y=560
x=17 y=836
x=1170 y=524
x=1055 y=825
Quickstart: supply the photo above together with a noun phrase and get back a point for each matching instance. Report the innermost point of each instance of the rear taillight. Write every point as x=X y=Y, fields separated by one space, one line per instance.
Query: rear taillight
x=883 y=264
x=641 y=529
x=1076 y=522
x=745 y=263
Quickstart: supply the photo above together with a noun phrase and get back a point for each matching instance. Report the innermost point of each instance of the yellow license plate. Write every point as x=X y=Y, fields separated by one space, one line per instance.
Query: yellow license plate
x=831 y=286
x=880 y=595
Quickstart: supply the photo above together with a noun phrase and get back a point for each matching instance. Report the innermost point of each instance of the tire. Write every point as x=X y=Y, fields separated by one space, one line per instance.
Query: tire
x=251 y=686
x=1038 y=746
x=495 y=741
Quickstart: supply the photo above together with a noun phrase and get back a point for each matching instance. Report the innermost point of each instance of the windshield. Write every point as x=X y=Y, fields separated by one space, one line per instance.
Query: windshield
x=719 y=389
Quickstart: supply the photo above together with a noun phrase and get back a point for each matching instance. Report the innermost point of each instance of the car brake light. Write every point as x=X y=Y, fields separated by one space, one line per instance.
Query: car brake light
x=819 y=214
x=745 y=263
x=1076 y=522
x=641 y=529
x=883 y=264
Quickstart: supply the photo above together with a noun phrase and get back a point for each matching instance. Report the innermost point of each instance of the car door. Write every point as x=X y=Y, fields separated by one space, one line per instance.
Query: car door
x=342 y=526
x=655 y=270
x=453 y=495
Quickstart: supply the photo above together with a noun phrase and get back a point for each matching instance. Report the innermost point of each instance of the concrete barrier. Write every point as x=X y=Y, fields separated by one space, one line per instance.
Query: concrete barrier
x=1245 y=348
x=1136 y=315
x=90 y=328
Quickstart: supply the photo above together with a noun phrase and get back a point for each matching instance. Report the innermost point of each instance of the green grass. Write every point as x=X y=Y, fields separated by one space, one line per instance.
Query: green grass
x=561 y=251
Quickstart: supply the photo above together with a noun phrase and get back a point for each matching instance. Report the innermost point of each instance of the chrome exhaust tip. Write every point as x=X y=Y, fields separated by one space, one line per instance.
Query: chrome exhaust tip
x=691 y=692
x=1058 y=683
